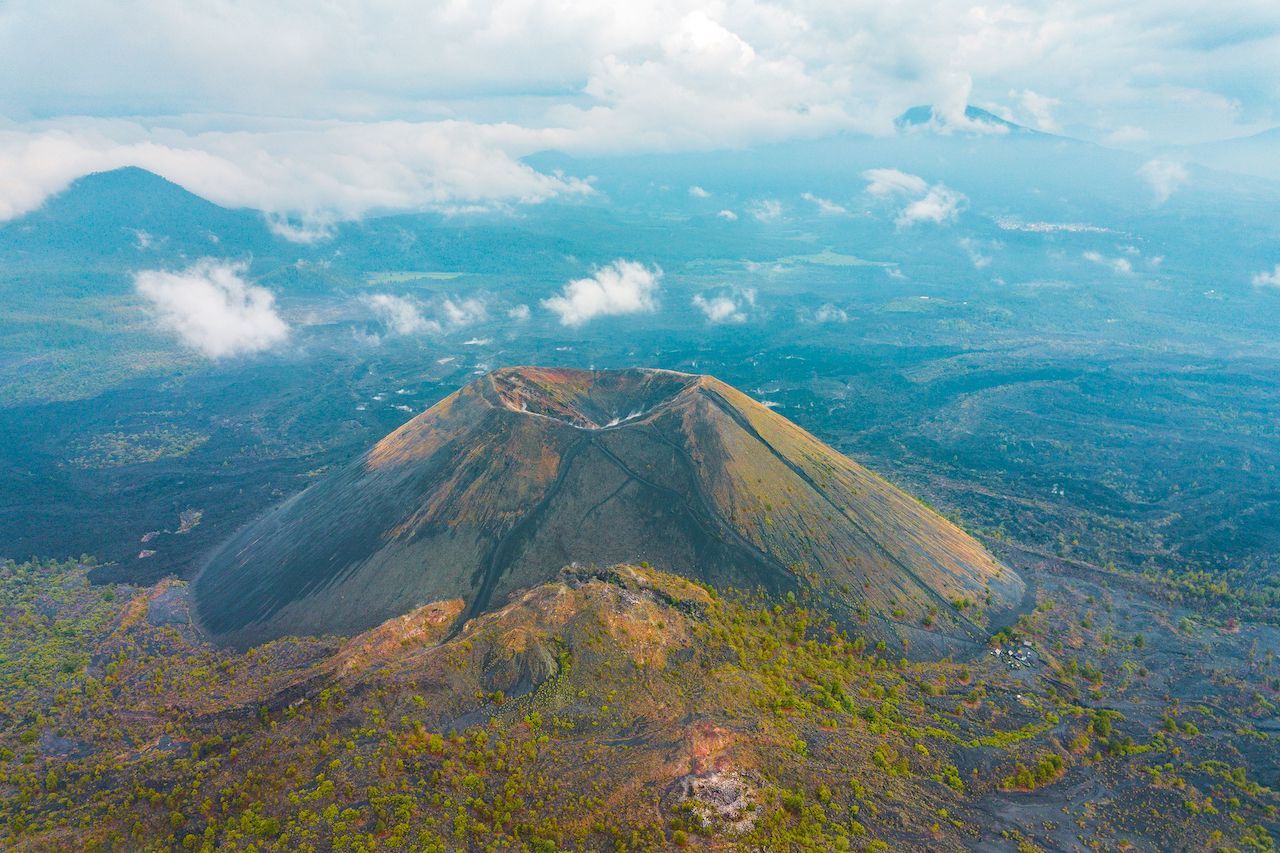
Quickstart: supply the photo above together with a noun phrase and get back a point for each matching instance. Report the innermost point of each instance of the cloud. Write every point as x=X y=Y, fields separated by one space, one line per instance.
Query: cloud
x=890 y=182
x=699 y=192
x=359 y=117
x=463 y=312
x=766 y=210
x=212 y=309
x=939 y=205
x=316 y=229
x=622 y=287
x=1268 y=279
x=829 y=313
x=825 y=206
x=304 y=176
x=920 y=201
x=400 y=315
x=1120 y=266
x=699 y=77
x=978 y=251
x=1164 y=177
x=1040 y=108
x=728 y=214
x=730 y=307
x=519 y=313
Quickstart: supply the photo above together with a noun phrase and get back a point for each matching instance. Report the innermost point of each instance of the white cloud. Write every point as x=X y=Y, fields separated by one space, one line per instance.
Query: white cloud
x=920 y=201
x=1164 y=177
x=403 y=315
x=978 y=252
x=825 y=206
x=519 y=313
x=701 y=77
x=212 y=309
x=829 y=313
x=400 y=315
x=730 y=307
x=463 y=312
x=889 y=182
x=699 y=192
x=622 y=287
x=1040 y=108
x=728 y=214
x=339 y=109
x=766 y=210
x=940 y=204
x=1120 y=266
x=305 y=176
x=1268 y=279
x=315 y=229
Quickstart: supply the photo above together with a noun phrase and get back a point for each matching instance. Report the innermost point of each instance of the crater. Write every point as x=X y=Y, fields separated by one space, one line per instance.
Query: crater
x=590 y=399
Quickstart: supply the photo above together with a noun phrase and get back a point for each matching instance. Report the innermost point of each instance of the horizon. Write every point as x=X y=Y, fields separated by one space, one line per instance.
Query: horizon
x=300 y=116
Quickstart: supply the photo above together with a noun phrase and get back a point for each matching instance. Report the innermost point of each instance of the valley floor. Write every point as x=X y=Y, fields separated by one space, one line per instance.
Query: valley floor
x=627 y=709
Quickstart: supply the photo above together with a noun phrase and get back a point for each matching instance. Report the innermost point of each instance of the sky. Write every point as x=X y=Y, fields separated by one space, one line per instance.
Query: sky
x=318 y=112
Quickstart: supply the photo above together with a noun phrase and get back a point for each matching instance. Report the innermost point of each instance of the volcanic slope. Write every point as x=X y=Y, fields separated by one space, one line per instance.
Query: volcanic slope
x=526 y=470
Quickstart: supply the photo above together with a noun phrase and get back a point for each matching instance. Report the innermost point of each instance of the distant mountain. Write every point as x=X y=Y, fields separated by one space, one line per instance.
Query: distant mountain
x=129 y=195
x=527 y=470
x=1258 y=154
x=926 y=115
x=130 y=211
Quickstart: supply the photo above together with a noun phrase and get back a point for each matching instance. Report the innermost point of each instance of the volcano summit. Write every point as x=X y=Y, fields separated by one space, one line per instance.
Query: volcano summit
x=526 y=470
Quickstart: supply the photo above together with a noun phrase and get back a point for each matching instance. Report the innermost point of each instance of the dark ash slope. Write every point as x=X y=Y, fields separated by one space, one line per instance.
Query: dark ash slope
x=526 y=470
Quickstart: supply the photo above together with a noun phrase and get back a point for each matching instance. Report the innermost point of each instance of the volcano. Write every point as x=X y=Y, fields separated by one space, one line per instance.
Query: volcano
x=527 y=470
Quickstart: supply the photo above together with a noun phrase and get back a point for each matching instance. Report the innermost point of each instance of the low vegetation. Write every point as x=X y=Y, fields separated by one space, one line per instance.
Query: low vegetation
x=565 y=720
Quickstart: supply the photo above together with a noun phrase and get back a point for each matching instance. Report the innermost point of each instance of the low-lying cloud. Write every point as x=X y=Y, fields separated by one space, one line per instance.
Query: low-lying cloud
x=733 y=306
x=403 y=315
x=919 y=200
x=1120 y=266
x=825 y=206
x=1164 y=177
x=304 y=177
x=829 y=313
x=1268 y=279
x=979 y=252
x=766 y=210
x=400 y=315
x=213 y=309
x=622 y=287
x=890 y=182
x=463 y=312
x=309 y=231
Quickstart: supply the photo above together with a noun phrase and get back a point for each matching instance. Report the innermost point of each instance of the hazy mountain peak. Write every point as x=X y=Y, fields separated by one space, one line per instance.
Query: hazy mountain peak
x=977 y=120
